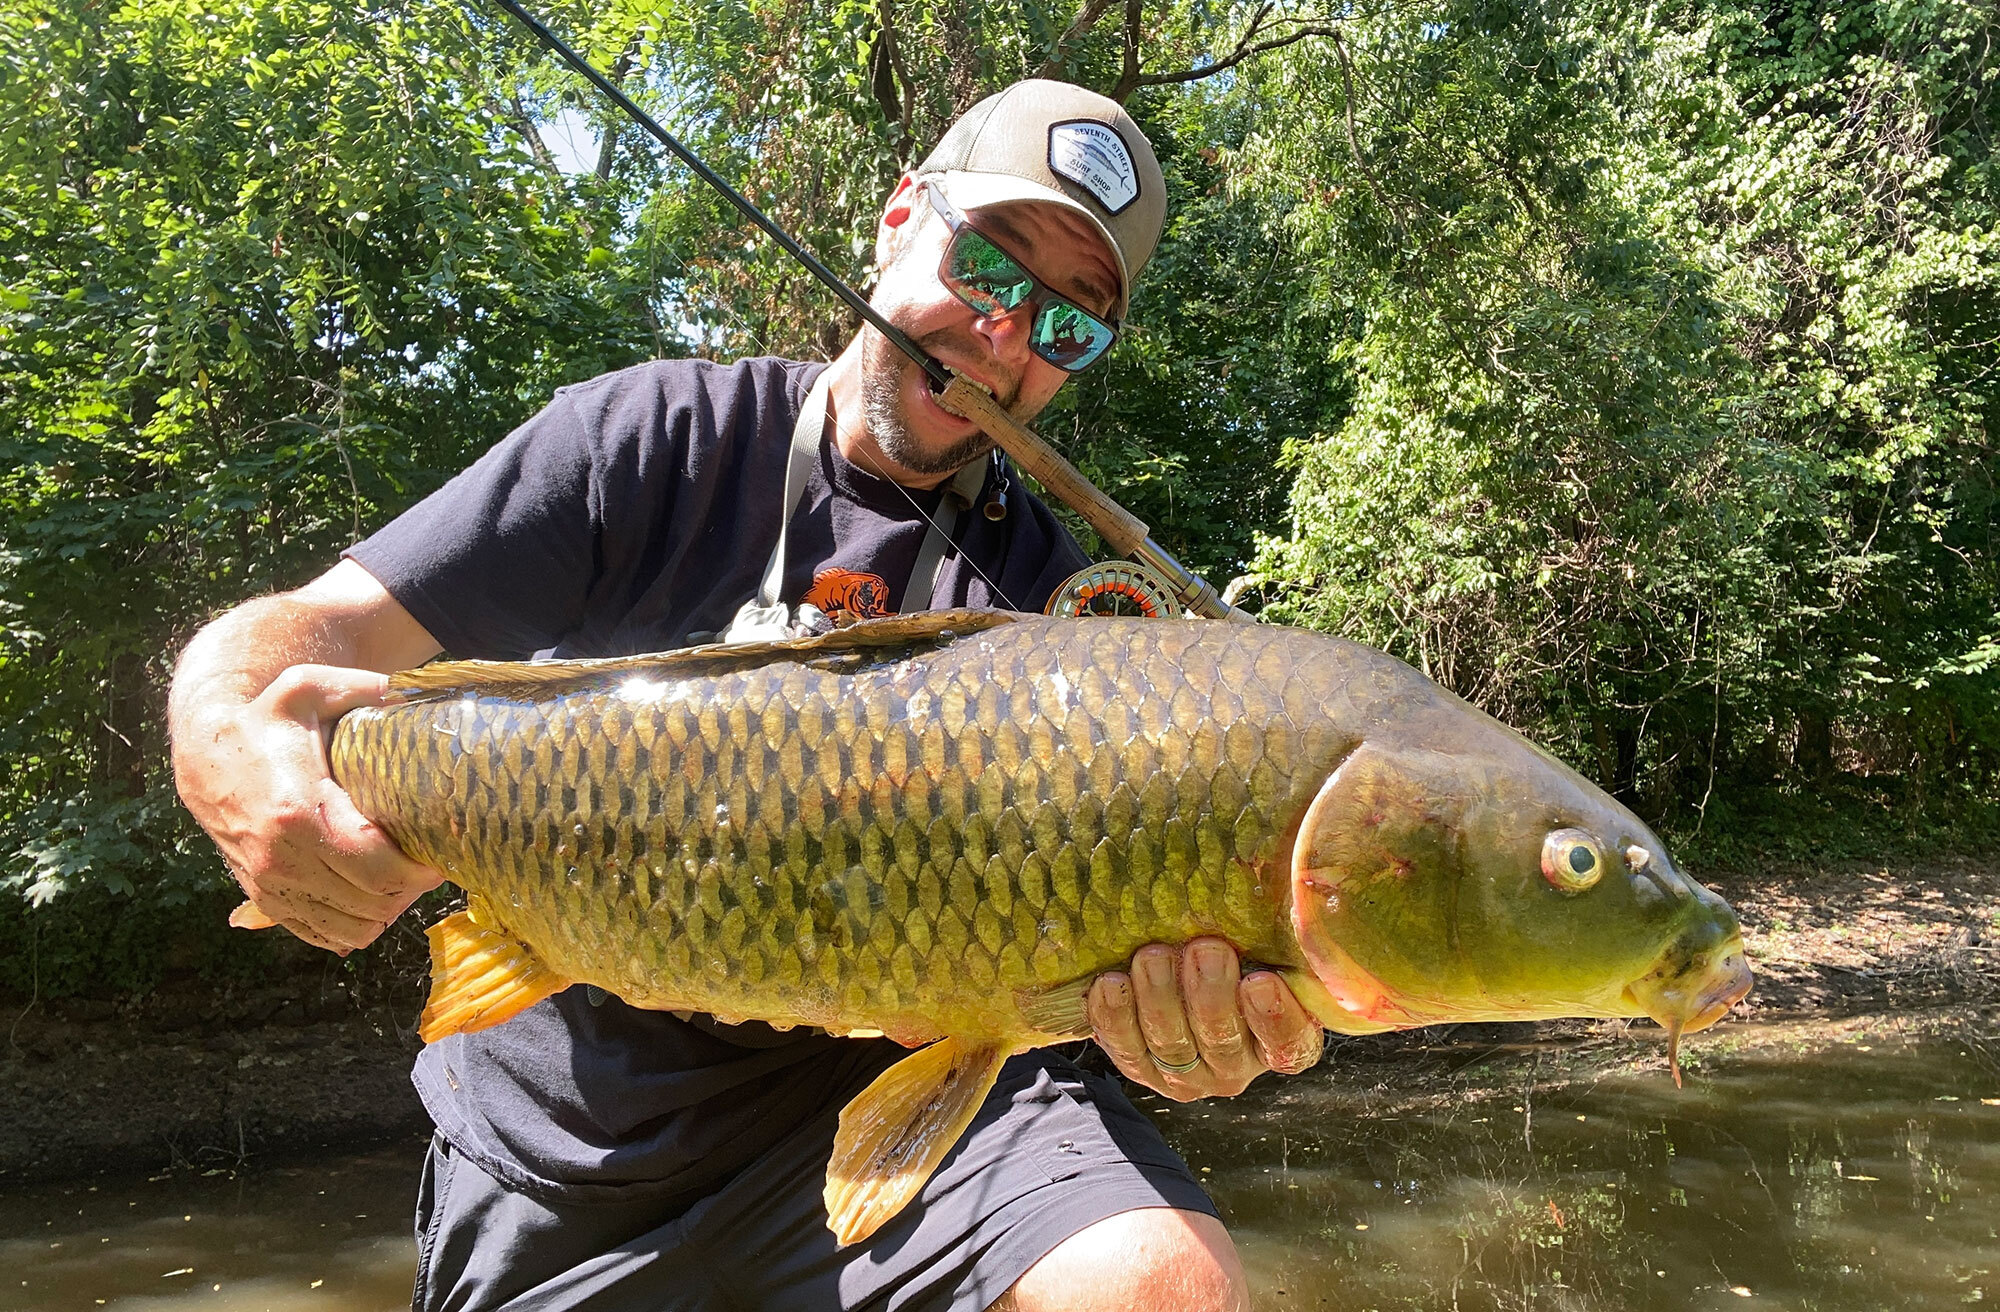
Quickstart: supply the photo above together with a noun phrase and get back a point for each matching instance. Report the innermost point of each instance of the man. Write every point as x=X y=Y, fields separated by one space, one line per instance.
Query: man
x=593 y=1155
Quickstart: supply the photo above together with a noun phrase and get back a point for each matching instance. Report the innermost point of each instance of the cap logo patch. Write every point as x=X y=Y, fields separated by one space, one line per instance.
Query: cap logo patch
x=1094 y=157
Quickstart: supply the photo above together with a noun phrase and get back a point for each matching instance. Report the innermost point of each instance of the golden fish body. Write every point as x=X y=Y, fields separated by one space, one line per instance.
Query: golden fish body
x=946 y=825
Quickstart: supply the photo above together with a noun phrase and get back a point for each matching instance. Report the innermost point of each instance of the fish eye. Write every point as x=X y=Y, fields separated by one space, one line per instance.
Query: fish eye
x=1571 y=860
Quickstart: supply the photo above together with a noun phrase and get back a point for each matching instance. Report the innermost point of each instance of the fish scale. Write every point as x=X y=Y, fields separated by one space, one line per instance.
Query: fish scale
x=907 y=845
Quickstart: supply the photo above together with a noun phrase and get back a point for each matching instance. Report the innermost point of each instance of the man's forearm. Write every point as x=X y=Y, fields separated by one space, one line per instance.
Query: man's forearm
x=343 y=618
x=236 y=657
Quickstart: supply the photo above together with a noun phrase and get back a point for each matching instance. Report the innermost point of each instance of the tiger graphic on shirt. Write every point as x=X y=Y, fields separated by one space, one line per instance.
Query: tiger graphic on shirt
x=844 y=594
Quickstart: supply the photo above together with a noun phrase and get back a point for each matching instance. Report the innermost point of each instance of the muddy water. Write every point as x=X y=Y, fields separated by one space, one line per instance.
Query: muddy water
x=1827 y=1168
x=332 y=1235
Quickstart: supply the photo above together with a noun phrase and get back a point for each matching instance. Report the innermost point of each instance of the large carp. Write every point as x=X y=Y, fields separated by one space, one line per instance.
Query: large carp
x=944 y=826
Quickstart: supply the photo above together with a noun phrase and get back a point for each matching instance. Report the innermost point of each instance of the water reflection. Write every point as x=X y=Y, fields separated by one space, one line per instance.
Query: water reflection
x=1799 y=1169
x=332 y=1235
x=1824 y=1168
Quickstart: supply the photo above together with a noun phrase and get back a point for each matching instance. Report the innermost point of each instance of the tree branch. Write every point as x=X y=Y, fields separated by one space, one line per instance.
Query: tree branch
x=607 y=150
x=1354 y=138
x=520 y=121
x=1247 y=45
x=1129 y=77
x=1233 y=58
x=886 y=71
x=1086 y=19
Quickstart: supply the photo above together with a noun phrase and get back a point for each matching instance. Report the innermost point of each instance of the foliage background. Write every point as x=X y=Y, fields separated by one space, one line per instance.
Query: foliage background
x=1630 y=370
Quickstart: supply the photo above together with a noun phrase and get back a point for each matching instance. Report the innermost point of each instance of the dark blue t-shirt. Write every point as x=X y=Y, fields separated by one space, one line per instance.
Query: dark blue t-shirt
x=634 y=511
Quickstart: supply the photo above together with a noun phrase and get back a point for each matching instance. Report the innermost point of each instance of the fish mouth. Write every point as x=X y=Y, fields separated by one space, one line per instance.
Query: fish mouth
x=1691 y=990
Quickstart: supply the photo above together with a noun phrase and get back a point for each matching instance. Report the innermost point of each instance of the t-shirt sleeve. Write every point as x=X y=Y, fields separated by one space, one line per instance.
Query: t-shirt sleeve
x=498 y=563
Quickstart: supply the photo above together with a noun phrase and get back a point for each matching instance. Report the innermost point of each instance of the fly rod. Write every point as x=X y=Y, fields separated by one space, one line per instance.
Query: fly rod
x=1126 y=532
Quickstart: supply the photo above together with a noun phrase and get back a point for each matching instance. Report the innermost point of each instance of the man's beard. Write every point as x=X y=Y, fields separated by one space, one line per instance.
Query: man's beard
x=882 y=372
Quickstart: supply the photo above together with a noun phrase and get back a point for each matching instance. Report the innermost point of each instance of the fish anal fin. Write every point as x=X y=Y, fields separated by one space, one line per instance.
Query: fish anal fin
x=480 y=976
x=1060 y=1012
x=248 y=916
x=897 y=1130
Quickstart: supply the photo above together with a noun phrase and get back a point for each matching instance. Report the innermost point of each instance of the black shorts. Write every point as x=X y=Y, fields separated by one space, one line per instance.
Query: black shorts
x=1052 y=1150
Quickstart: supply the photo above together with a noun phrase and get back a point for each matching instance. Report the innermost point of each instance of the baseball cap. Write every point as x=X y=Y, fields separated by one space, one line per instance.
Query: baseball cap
x=1061 y=144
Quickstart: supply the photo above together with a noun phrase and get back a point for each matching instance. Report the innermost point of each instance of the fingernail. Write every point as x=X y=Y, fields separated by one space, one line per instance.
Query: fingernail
x=1117 y=990
x=1211 y=962
x=1263 y=991
x=1159 y=969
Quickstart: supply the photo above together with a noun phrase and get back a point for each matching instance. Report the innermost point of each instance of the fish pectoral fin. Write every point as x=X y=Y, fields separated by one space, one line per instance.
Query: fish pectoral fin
x=1062 y=1010
x=897 y=1130
x=248 y=916
x=480 y=976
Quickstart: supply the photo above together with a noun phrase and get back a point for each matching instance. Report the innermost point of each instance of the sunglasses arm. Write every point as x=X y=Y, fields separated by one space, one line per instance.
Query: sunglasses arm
x=1126 y=532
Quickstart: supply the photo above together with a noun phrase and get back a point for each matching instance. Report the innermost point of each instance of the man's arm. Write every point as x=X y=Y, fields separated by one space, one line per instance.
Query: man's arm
x=252 y=707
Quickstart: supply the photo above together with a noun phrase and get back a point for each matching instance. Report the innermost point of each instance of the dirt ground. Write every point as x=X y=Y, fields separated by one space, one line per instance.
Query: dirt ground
x=199 y=1079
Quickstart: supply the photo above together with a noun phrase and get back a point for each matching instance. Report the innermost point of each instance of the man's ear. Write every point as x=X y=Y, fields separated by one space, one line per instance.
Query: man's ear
x=897 y=221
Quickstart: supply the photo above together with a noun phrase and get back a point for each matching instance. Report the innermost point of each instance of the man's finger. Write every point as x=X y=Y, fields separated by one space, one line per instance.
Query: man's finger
x=321 y=923
x=307 y=934
x=366 y=857
x=1162 y=1014
x=1208 y=982
x=325 y=692
x=248 y=916
x=1115 y=1020
x=1289 y=1038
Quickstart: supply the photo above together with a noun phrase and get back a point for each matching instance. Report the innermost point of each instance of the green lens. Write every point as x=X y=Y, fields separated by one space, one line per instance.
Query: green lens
x=1067 y=337
x=985 y=276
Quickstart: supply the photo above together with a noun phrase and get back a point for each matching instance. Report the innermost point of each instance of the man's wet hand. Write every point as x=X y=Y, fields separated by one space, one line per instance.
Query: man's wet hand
x=1184 y=1023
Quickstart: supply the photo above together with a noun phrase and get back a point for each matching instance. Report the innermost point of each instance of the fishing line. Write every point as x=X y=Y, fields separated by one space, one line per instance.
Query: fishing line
x=936 y=372
x=916 y=505
x=1118 y=526
x=939 y=375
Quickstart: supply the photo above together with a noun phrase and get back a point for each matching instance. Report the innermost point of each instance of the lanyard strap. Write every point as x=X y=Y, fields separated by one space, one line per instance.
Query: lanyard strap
x=798 y=463
x=960 y=493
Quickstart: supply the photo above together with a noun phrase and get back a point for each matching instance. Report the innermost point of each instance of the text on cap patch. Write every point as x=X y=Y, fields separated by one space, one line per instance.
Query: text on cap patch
x=1094 y=157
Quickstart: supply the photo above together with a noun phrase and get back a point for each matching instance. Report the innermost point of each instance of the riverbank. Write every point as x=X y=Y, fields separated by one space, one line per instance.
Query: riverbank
x=205 y=1079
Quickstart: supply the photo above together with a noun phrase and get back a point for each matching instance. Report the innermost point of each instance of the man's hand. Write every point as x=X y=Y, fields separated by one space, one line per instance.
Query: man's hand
x=256 y=778
x=1182 y=1005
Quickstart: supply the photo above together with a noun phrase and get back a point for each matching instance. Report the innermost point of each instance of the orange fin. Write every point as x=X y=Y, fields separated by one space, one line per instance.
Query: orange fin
x=248 y=916
x=480 y=976
x=897 y=1130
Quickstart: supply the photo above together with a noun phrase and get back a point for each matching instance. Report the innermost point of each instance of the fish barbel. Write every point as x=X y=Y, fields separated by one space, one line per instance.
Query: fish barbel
x=942 y=827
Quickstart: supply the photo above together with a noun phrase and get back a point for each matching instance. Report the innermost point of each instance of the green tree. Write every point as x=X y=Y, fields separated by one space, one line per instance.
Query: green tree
x=274 y=269
x=1673 y=388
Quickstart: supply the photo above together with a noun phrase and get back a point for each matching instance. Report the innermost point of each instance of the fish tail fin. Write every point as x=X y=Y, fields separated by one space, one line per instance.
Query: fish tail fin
x=248 y=916
x=897 y=1130
x=480 y=976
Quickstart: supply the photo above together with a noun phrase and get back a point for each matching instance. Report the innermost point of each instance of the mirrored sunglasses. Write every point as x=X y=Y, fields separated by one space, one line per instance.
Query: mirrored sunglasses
x=994 y=283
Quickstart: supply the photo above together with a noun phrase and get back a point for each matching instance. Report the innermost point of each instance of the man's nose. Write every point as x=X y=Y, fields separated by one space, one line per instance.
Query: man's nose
x=1009 y=331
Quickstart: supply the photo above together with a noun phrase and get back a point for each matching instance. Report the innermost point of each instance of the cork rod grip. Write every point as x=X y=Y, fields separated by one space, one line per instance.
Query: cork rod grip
x=1123 y=530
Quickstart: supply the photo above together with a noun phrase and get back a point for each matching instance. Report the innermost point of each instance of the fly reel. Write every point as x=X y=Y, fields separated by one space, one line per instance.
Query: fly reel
x=1115 y=587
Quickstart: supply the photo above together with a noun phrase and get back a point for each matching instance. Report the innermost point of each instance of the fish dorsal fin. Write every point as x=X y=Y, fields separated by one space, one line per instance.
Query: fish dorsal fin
x=897 y=1130
x=534 y=680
